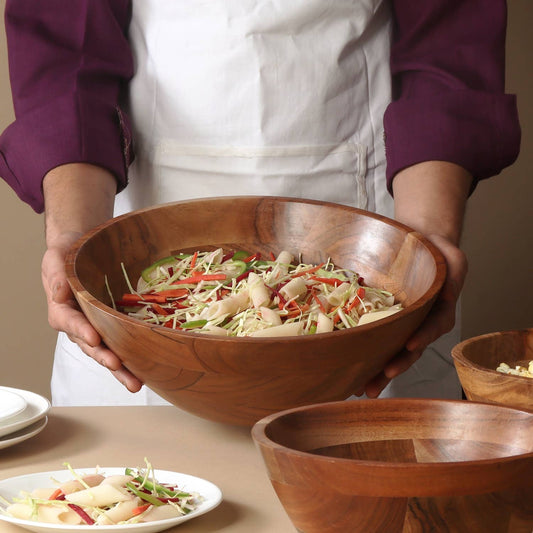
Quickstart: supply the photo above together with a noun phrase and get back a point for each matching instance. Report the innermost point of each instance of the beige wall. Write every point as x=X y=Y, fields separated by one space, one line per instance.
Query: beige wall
x=498 y=239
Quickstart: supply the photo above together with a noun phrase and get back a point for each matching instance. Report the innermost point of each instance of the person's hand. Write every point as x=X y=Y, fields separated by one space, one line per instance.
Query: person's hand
x=77 y=198
x=430 y=197
x=439 y=321
x=65 y=315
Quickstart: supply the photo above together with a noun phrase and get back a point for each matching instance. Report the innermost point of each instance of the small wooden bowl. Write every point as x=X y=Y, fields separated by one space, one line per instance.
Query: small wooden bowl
x=401 y=465
x=240 y=380
x=476 y=360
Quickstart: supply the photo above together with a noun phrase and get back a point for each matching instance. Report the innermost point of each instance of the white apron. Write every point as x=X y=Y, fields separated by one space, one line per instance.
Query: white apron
x=255 y=97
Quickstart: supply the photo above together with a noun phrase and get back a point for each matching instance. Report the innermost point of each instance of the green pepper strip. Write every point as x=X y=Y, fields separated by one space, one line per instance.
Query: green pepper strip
x=157 y=487
x=193 y=324
x=240 y=255
x=143 y=495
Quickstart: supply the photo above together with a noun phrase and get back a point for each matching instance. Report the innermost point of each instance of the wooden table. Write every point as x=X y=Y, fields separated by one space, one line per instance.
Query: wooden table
x=172 y=440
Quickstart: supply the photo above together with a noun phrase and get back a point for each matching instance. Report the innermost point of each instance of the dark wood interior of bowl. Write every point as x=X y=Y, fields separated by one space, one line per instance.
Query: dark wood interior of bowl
x=405 y=431
x=488 y=351
x=401 y=466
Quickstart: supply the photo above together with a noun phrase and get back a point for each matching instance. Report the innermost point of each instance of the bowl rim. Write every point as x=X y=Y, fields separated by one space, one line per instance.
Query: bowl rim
x=429 y=296
x=260 y=437
x=459 y=357
x=394 y=479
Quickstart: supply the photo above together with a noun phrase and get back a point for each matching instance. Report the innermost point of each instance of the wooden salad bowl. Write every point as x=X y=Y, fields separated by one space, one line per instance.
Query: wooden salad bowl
x=240 y=380
x=476 y=360
x=401 y=465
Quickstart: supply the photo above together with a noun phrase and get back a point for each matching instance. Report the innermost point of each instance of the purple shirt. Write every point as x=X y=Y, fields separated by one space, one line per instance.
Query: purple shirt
x=70 y=63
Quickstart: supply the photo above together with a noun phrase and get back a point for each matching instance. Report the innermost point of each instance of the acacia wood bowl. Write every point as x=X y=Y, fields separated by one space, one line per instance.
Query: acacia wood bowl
x=401 y=465
x=477 y=358
x=240 y=380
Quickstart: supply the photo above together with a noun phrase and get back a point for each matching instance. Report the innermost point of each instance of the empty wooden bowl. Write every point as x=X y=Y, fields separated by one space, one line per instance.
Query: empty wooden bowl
x=401 y=465
x=240 y=380
x=477 y=359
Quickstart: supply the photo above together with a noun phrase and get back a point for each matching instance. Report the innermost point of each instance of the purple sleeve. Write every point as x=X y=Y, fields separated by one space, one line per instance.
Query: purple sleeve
x=69 y=63
x=449 y=104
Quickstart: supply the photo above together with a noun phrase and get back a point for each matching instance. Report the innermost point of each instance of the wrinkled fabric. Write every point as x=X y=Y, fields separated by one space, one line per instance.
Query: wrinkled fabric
x=70 y=63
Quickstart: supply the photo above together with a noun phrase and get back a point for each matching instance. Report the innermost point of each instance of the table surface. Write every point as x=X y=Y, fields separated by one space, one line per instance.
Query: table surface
x=171 y=440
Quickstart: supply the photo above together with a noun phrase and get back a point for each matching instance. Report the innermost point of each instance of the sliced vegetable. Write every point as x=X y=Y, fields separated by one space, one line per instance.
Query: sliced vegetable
x=148 y=272
x=83 y=515
x=199 y=291
x=198 y=278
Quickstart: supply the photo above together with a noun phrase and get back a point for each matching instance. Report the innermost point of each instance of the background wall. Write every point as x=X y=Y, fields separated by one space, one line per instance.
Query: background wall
x=498 y=238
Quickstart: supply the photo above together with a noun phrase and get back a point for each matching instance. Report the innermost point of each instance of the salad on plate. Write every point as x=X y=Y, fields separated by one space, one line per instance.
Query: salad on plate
x=133 y=496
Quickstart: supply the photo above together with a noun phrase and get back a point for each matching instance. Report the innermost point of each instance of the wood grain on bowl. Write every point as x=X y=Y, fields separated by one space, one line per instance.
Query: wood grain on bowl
x=240 y=380
x=401 y=466
x=476 y=360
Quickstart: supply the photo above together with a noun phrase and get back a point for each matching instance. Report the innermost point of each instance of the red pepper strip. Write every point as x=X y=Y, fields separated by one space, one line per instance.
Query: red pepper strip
x=308 y=271
x=226 y=257
x=293 y=305
x=328 y=281
x=272 y=256
x=282 y=302
x=193 y=259
x=296 y=310
x=309 y=298
x=150 y=298
x=319 y=302
x=173 y=293
x=84 y=516
x=221 y=293
x=160 y=310
x=56 y=495
x=138 y=510
x=257 y=256
x=357 y=299
x=200 y=277
x=242 y=276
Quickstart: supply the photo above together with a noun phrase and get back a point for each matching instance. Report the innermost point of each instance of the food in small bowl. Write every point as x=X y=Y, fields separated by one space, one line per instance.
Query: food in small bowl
x=401 y=465
x=238 y=380
x=525 y=370
x=478 y=359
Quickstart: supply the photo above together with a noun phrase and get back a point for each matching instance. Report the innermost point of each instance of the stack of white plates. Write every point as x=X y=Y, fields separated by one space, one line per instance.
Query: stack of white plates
x=22 y=415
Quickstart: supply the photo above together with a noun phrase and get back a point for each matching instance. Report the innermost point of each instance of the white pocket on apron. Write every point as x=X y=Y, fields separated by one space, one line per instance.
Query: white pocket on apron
x=327 y=172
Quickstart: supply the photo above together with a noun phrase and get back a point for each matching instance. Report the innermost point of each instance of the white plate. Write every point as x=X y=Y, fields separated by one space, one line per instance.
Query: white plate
x=11 y=404
x=10 y=488
x=36 y=408
x=23 y=434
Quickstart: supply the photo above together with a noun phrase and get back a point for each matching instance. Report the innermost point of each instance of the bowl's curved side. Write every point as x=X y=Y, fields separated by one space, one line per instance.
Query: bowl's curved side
x=242 y=380
x=477 y=358
x=484 y=386
x=317 y=490
x=239 y=381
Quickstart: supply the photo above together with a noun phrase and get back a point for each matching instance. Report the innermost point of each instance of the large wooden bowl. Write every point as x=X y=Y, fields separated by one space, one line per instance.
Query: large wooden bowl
x=401 y=465
x=240 y=380
x=476 y=360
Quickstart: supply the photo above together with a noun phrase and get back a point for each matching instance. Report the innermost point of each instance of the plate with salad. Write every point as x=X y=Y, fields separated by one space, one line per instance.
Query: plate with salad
x=122 y=499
